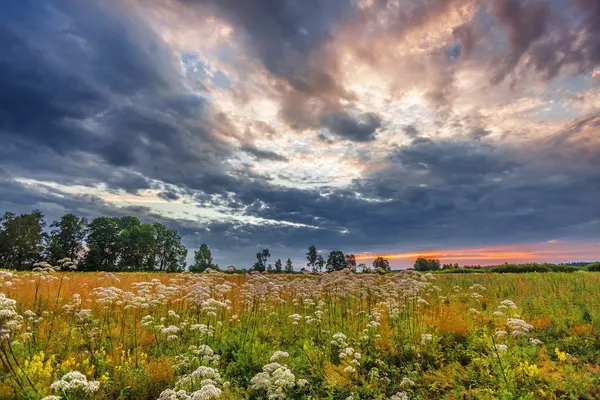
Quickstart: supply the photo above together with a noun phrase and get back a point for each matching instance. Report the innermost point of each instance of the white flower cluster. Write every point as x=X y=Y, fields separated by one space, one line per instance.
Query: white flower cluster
x=275 y=379
x=278 y=355
x=518 y=327
x=203 y=384
x=426 y=338
x=10 y=321
x=74 y=383
x=400 y=396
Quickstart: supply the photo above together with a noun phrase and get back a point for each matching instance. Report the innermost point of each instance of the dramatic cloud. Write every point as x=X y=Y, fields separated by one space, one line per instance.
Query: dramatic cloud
x=368 y=126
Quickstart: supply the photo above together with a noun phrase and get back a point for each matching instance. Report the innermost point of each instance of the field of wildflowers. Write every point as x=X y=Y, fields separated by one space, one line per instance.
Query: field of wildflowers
x=69 y=335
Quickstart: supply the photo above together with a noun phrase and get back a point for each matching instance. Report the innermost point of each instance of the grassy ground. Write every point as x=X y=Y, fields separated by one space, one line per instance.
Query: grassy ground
x=331 y=336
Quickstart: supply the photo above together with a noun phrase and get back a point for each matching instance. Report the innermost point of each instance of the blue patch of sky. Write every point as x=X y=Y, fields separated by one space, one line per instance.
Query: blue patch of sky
x=197 y=69
x=555 y=92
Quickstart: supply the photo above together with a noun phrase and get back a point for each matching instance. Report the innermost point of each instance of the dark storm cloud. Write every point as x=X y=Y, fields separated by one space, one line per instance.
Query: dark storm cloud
x=554 y=35
x=263 y=154
x=460 y=189
x=168 y=195
x=526 y=22
x=91 y=83
x=359 y=128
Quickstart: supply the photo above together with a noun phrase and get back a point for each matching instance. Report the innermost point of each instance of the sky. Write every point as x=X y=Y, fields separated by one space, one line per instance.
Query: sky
x=467 y=130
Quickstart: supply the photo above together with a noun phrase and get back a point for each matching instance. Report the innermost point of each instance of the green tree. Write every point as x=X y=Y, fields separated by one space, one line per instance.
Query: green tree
x=289 y=268
x=103 y=245
x=169 y=254
x=336 y=261
x=382 y=264
x=422 y=264
x=67 y=239
x=320 y=263
x=21 y=239
x=278 y=266
x=311 y=257
x=137 y=245
x=202 y=259
x=261 y=257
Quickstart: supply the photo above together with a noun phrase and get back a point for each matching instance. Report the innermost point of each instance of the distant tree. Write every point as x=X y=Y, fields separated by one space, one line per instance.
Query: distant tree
x=351 y=261
x=21 y=239
x=66 y=239
x=362 y=267
x=261 y=257
x=289 y=268
x=278 y=266
x=382 y=264
x=336 y=261
x=169 y=254
x=320 y=263
x=311 y=257
x=422 y=264
x=269 y=268
x=202 y=259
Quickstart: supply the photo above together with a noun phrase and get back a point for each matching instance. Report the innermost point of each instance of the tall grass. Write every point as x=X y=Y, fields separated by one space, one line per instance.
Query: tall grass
x=328 y=336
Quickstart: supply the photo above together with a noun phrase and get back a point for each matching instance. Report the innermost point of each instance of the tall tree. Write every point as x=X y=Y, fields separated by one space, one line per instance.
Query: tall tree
x=169 y=254
x=336 y=261
x=202 y=259
x=21 y=239
x=311 y=257
x=137 y=245
x=103 y=244
x=278 y=266
x=382 y=264
x=289 y=268
x=67 y=238
x=320 y=263
x=261 y=257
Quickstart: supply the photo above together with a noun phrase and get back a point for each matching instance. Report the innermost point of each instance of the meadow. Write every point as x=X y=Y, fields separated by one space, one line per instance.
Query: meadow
x=340 y=335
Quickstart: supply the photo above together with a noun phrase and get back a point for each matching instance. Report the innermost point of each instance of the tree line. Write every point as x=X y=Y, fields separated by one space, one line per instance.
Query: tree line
x=104 y=244
x=126 y=244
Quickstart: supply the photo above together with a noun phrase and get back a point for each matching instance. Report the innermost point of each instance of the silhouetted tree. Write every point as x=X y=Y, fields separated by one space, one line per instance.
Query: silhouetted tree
x=320 y=263
x=311 y=257
x=422 y=264
x=289 y=268
x=202 y=259
x=262 y=257
x=336 y=261
x=382 y=264
x=278 y=266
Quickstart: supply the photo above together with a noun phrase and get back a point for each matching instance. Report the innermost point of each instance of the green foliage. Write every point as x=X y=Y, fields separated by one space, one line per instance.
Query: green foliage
x=289 y=268
x=593 y=267
x=311 y=258
x=67 y=239
x=126 y=244
x=21 y=239
x=262 y=257
x=202 y=259
x=381 y=264
x=336 y=261
x=423 y=264
x=515 y=268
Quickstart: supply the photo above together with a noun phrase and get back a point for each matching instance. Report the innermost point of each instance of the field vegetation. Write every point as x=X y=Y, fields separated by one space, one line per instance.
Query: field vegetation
x=338 y=335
